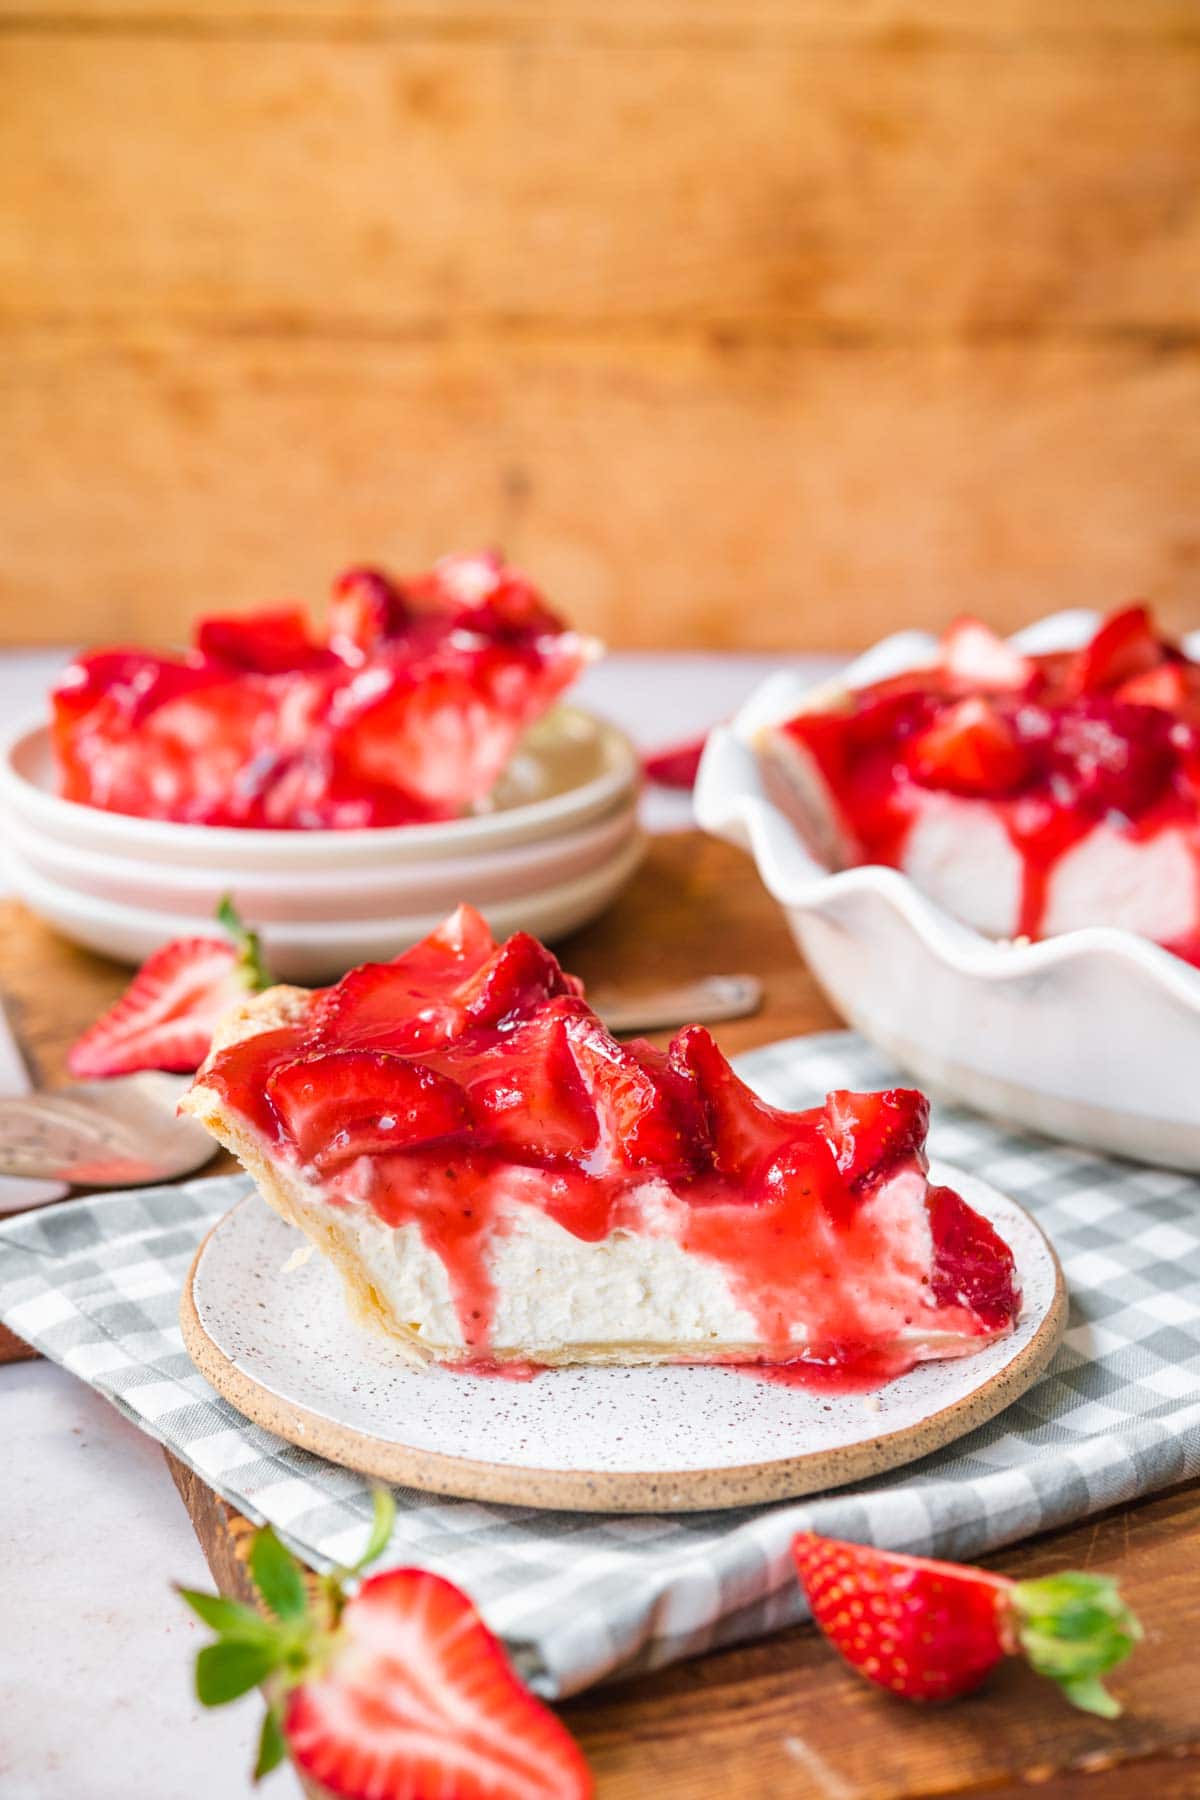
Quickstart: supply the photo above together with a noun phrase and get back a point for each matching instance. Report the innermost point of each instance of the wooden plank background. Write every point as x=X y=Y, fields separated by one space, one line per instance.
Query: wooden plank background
x=759 y=322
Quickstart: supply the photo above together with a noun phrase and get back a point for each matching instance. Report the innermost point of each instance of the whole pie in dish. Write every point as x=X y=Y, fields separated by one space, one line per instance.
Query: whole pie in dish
x=405 y=709
x=1028 y=795
x=500 y=1182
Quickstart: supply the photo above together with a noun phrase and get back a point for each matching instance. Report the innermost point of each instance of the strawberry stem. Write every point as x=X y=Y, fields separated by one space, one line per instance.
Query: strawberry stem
x=1073 y=1628
x=253 y=971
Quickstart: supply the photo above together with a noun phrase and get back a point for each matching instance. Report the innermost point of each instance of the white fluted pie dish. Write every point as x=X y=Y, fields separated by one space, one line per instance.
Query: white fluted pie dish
x=1092 y=1036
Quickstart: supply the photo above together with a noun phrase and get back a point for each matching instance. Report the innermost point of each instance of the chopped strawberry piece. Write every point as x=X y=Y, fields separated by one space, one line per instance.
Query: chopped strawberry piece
x=414 y=1001
x=520 y=975
x=742 y=1129
x=1165 y=686
x=871 y=1134
x=973 y=1266
x=165 y=1017
x=641 y=1122
x=971 y=749
x=339 y=1104
x=419 y=1700
x=1110 y=757
x=676 y=767
x=367 y=608
x=525 y=1090
x=932 y=1631
x=268 y=643
x=1124 y=646
x=973 y=655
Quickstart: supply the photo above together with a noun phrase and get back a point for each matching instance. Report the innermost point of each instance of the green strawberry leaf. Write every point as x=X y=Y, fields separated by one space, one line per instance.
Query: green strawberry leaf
x=271 y=1746
x=277 y=1576
x=229 y=1617
x=381 y=1529
x=231 y=1667
x=1074 y=1628
x=251 y=968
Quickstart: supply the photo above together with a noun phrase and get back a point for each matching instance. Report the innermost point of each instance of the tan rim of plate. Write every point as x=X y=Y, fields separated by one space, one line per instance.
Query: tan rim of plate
x=583 y=1490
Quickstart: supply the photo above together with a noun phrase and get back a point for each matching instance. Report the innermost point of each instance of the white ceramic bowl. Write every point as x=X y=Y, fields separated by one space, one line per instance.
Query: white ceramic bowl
x=190 y=894
x=571 y=768
x=1092 y=1036
x=313 y=951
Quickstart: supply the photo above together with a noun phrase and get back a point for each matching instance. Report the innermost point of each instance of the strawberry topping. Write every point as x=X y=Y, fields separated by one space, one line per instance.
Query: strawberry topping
x=441 y=1088
x=1053 y=744
x=406 y=709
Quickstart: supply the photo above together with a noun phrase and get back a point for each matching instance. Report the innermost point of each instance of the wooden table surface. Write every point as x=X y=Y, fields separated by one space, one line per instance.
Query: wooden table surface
x=782 y=1716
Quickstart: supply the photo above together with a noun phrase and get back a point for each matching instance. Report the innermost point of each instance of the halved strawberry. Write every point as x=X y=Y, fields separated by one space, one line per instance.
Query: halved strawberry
x=520 y=975
x=934 y=1630
x=971 y=653
x=970 y=749
x=418 y=1699
x=165 y=1017
x=871 y=1133
x=366 y=609
x=267 y=643
x=1125 y=645
x=677 y=766
x=525 y=1091
x=339 y=1104
x=399 y=1692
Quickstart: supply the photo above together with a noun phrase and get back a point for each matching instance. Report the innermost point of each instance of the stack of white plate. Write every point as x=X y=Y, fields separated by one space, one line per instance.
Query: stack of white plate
x=558 y=838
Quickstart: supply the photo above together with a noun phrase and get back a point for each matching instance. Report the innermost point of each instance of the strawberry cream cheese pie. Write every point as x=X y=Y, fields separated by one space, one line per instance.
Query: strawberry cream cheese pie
x=500 y=1182
x=405 y=709
x=1028 y=795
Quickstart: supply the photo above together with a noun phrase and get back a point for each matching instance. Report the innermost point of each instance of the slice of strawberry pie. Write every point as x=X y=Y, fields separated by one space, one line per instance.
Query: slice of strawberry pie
x=499 y=1180
x=406 y=709
x=1028 y=794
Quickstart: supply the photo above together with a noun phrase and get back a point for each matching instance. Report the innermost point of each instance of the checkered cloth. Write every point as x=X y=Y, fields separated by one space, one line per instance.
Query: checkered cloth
x=95 y=1285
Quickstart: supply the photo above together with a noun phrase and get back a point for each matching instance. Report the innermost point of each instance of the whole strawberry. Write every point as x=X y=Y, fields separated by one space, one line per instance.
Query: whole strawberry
x=934 y=1630
x=396 y=1692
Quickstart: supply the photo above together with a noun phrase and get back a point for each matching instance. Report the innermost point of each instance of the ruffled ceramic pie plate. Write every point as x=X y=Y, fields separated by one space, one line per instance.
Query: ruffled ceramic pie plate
x=272 y=1334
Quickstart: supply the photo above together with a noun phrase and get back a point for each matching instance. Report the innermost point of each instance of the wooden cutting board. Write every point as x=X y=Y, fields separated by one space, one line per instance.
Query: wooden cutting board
x=780 y=1717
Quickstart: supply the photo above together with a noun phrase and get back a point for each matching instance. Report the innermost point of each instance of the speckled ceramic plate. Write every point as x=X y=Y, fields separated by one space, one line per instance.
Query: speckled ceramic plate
x=280 y=1345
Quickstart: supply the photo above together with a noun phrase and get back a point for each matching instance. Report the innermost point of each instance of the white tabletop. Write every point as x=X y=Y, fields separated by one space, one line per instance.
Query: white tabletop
x=95 y=1650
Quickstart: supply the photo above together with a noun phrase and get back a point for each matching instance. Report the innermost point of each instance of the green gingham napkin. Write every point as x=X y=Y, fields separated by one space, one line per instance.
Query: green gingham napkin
x=95 y=1285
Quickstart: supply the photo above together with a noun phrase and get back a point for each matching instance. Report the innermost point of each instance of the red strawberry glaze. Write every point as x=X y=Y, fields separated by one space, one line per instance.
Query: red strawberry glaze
x=1053 y=745
x=405 y=711
x=514 y=1094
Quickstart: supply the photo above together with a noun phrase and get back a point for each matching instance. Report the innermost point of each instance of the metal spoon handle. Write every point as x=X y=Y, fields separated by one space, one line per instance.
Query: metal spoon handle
x=703 y=1002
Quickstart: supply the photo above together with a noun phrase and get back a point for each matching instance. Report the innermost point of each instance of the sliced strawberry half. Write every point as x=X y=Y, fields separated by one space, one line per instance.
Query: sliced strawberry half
x=1165 y=686
x=395 y=1692
x=413 y=1002
x=165 y=1017
x=870 y=1134
x=339 y=1104
x=1124 y=646
x=972 y=654
x=934 y=1630
x=419 y=1700
x=971 y=749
